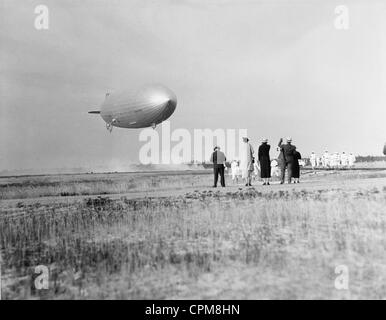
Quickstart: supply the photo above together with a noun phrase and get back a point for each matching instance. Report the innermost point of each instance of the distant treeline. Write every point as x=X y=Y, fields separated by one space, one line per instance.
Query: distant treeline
x=208 y=165
x=370 y=158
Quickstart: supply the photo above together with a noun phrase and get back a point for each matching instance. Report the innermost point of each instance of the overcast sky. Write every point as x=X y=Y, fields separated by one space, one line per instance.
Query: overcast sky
x=275 y=68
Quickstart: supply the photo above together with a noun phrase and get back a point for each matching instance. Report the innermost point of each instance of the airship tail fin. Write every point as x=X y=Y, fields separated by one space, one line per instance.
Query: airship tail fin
x=94 y=112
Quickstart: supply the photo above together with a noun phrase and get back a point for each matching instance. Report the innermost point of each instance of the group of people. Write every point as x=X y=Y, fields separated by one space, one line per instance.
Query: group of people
x=334 y=160
x=288 y=159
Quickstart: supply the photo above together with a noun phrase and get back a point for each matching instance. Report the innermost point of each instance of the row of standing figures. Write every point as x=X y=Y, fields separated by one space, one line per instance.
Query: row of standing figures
x=251 y=163
x=332 y=160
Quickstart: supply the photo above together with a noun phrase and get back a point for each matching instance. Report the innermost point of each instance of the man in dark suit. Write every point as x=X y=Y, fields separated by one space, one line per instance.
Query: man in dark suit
x=288 y=151
x=218 y=159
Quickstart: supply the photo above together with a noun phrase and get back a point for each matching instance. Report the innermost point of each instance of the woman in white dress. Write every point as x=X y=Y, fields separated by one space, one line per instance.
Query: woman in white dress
x=247 y=161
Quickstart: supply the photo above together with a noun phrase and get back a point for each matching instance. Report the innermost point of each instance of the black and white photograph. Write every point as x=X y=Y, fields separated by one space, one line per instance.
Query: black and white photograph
x=211 y=151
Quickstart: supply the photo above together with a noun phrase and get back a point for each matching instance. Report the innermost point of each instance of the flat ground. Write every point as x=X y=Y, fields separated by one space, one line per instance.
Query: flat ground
x=170 y=235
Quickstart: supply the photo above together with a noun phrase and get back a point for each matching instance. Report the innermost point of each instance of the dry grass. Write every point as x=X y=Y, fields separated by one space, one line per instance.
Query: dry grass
x=242 y=244
x=116 y=183
x=96 y=184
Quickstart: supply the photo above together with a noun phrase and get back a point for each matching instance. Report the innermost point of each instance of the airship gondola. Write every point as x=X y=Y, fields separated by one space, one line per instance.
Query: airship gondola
x=142 y=108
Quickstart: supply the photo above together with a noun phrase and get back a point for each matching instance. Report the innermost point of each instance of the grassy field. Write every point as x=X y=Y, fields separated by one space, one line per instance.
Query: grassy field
x=26 y=187
x=278 y=242
x=96 y=184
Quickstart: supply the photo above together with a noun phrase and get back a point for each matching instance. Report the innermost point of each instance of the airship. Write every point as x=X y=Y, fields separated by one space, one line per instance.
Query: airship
x=145 y=107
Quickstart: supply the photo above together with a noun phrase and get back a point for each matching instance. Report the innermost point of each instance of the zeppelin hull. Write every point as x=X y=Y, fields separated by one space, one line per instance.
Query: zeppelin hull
x=146 y=107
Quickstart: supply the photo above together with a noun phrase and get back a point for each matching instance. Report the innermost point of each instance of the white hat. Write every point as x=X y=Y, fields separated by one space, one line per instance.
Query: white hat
x=264 y=140
x=289 y=139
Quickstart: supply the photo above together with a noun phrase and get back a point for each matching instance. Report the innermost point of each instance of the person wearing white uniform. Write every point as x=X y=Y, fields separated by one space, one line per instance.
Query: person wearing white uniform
x=335 y=160
x=235 y=170
x=331 y=160
x=326 y=159
x=313 y=160
x=351 y=160
x=275 y=170
x=344 y=159
x=320 y=162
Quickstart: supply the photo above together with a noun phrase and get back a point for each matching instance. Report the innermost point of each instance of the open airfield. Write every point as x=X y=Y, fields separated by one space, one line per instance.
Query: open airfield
x=169 y=235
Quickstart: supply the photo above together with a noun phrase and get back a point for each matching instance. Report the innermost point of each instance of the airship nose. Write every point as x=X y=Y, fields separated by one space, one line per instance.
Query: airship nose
x=170 y=106
x=160 y=95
